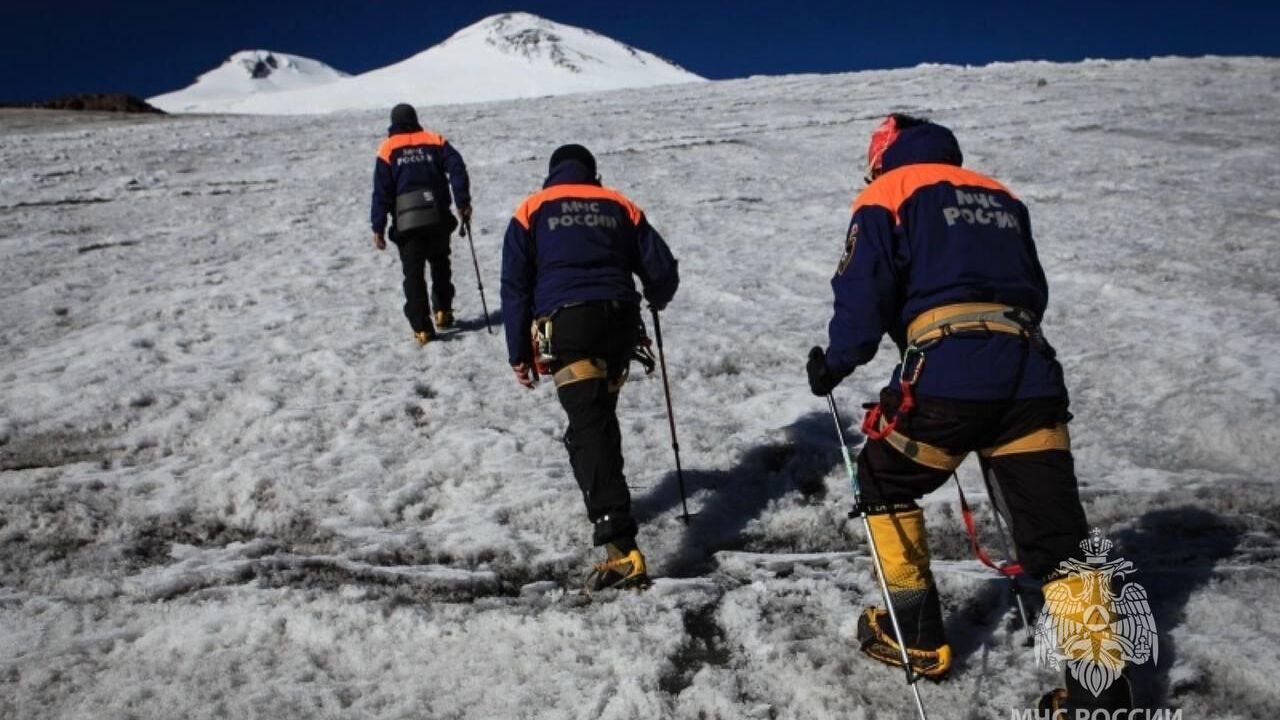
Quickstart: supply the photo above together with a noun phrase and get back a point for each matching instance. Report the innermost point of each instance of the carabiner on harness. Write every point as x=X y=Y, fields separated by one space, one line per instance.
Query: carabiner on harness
x=909 y=370
x=540 y=334
x=909 y=374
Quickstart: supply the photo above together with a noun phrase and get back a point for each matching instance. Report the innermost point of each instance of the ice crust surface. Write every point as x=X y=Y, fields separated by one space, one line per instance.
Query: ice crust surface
x=233 y=486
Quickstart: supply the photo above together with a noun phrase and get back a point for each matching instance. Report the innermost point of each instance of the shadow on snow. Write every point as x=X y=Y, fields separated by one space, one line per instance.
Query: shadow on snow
x=728 y=500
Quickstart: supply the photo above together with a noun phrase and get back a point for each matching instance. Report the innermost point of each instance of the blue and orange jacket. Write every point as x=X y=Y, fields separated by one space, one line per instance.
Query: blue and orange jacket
x=415 y=159
x=575 y=242
x=928 y=233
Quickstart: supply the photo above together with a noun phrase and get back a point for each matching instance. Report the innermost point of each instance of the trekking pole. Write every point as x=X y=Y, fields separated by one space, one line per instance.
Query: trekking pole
x=861 y=510
x=466 y=230
x=999 y=508
x=671 y=418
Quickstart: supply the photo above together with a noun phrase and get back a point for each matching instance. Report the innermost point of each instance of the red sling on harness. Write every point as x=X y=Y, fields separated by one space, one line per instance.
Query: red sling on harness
x=1008 y=569
x=909 y=376
x=871 y=421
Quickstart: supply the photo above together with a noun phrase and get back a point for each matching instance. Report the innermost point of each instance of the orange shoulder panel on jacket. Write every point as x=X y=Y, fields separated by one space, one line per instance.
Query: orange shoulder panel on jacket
x=395 y=142
x=892 y=189
x=587 y=192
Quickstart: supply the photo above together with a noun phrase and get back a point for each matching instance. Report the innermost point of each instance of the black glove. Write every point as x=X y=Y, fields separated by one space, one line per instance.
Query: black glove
x=821 y=381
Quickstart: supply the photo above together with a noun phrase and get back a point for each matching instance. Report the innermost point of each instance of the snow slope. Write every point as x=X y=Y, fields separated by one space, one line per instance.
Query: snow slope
x=513 y=55
x=245 y=74
x=233 y=486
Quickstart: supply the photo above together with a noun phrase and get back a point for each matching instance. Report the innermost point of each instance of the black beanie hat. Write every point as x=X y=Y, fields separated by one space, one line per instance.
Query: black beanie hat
x=404 y=114
x=573 y=152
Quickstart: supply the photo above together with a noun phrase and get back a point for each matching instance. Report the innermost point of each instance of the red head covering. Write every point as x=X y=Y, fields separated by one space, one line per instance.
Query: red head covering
x=881 y=139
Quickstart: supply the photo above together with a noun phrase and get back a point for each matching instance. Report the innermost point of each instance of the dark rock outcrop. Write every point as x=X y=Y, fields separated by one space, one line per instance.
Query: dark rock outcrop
x=262 y=66
x=97 y=102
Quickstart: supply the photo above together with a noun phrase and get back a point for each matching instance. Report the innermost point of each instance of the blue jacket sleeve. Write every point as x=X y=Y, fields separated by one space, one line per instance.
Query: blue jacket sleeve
x=384 y=192
x=458 y=178
x=518 y=269
x=867 y=296
x=658 y=270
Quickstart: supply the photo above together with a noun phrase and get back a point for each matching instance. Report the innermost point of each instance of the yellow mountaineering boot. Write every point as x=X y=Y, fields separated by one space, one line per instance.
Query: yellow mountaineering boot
x=423 y=337
x=621 y=569
x=904 y=553
x=444 y=319
x=875 y=637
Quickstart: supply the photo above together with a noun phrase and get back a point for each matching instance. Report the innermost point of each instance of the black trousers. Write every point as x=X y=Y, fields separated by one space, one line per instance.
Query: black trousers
x=417 y=249
x=605 y=331
x=1039 y=488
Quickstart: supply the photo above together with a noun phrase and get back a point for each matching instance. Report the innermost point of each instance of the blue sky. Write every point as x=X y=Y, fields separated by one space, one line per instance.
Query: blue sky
x=50 y=47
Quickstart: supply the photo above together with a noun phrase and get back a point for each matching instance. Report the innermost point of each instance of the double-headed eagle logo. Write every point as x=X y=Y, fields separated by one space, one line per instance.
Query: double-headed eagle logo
x=1088 y=625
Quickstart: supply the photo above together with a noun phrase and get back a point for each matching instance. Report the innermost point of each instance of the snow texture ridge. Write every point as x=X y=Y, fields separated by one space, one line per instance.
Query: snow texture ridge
x=513 y=55
x=231 y=485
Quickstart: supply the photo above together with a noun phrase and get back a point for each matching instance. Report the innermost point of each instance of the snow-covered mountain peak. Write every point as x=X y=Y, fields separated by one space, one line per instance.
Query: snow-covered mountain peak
x=506 y=27
x=271 y=70
x=535 y=39
x=511 y=55
x=261 y=64
x=245 y=74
